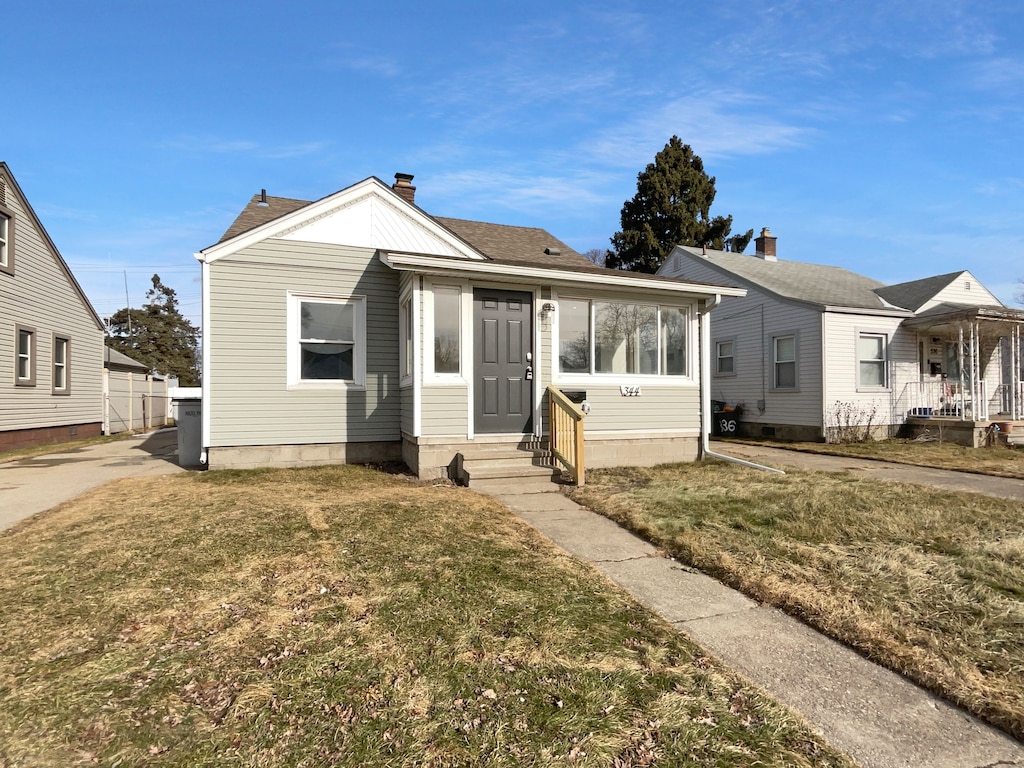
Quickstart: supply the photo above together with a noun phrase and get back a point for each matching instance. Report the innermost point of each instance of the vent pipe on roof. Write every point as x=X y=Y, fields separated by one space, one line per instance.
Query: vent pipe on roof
x=263 y=198
x=403 y=186
x=553 y=251
x=765 y=245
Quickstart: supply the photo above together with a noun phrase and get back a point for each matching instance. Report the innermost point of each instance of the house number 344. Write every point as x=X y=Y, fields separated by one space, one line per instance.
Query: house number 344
x=627 y=391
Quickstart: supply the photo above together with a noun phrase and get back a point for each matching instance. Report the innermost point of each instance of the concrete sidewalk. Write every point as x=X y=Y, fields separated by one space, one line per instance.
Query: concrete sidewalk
x=877 y=717
x=31 y=485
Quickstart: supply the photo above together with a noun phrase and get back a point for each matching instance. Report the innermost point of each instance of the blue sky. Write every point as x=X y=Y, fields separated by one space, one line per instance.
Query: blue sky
x=884 y=137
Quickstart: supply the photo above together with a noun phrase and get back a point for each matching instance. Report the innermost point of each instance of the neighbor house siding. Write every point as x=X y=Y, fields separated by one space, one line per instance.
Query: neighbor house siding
x=957 y=292
x=40 y=295
x=248 y=373
x=840 y=343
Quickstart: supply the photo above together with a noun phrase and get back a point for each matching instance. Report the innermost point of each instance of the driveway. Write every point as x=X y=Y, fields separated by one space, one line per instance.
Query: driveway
x=32 y=485
x=1003 y=487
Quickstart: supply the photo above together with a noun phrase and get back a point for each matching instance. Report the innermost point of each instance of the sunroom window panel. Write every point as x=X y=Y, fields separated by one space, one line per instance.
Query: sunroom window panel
x=447 y=330
x=673 y=339
x=626 y=338
x=574 y=336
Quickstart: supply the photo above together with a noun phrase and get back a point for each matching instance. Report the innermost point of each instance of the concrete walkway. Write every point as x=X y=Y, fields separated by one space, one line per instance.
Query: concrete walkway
x=31 y=485
x=877 y=717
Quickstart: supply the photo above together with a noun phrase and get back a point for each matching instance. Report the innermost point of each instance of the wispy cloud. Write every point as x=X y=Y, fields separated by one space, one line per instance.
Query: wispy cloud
x=220 y=146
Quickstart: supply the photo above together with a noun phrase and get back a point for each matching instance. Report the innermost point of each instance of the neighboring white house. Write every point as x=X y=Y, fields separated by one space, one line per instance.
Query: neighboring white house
x=51 y=340
x=360 y=328
x=813 y=348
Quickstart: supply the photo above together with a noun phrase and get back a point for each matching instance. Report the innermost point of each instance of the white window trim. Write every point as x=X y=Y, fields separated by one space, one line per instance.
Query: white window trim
x=65 y=389
x=406 y=377
x=6 y=240
x=294 y=328
x=772 y=341
x=430 y=376
x=595 y=378
x=33 y=351
x=885 y=360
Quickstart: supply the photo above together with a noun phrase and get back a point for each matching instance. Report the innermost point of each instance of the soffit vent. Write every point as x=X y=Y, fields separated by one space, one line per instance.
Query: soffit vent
x=3 y=192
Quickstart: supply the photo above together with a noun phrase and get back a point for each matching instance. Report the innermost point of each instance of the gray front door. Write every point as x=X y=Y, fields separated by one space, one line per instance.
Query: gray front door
x=503 y=360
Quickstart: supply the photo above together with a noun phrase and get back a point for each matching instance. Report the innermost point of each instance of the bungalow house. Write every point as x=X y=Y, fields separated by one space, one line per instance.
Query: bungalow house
x=812 y=350
x=360 y=328
x=51 y=339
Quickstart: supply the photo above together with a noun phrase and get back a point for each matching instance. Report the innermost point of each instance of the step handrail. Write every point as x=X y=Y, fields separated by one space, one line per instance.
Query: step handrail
x=566 y=425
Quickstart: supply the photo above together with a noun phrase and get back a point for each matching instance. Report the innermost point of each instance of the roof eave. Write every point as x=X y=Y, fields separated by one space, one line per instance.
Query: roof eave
x=433 y=265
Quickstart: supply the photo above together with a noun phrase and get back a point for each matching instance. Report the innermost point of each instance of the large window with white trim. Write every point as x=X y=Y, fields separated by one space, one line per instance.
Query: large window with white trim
x=610 y=337
x=447 y=329
x=327 y=341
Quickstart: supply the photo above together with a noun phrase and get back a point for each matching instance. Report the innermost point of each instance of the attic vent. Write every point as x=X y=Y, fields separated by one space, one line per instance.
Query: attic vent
x=3 y=192
x=967 y=285
x=553 y=251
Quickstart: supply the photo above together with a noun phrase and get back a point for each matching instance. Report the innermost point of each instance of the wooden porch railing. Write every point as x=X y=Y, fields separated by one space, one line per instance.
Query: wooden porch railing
x=566 y=425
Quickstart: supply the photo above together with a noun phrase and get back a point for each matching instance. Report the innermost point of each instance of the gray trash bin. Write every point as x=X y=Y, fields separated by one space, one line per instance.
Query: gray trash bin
x=189 y=415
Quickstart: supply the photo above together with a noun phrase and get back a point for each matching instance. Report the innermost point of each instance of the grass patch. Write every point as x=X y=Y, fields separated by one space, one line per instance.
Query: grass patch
x=995 y=460
x=927 y=582
x=341 y=616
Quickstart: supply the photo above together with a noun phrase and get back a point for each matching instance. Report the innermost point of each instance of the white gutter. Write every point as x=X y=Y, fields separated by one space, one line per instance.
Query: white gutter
x=704 y=327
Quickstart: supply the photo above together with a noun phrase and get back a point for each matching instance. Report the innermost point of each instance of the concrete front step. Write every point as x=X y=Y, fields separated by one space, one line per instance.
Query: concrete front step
x=504 y=464
x=498 y=486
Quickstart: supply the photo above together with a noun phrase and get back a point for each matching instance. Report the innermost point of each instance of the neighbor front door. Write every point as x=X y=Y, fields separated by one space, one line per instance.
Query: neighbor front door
x=503 y=368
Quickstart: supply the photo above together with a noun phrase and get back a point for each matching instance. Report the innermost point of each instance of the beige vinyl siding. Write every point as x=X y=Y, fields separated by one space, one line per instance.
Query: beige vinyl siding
x=657 y=409
x=841 y=333
x=445 y=411
x=408 y=405
x=249 y=397
x=41 y=296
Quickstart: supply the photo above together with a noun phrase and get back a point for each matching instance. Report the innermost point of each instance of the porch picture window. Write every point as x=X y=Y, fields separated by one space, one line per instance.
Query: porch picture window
x=784 y=360
x=447 y=329
x=327 y=341
x=872 y=360
x=574 y=336
x=607 y=337
x=405 y=321
x=61 y=355
x=725 y=361
x=25 y=357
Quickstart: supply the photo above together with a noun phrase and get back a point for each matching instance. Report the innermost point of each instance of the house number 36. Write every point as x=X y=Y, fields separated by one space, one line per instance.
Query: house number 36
x=627 y=391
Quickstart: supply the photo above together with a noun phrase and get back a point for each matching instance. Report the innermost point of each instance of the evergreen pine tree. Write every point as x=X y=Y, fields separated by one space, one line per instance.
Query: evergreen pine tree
x=158 y=335
x=671 y=207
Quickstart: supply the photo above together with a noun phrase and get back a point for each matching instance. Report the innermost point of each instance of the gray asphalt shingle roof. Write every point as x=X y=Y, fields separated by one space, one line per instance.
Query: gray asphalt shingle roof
x=914 y=294
x=819 y=284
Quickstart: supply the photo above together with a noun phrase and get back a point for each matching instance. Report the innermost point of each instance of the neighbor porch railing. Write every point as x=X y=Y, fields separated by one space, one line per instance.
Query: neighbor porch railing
x=944 y=399
x=566 y=425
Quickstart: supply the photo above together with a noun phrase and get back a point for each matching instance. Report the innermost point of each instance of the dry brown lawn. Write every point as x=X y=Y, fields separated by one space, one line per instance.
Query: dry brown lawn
x=344 y=617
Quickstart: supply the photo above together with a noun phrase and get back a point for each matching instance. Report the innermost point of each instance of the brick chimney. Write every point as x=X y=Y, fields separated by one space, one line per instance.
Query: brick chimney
x=765 y=245
x=403 y=186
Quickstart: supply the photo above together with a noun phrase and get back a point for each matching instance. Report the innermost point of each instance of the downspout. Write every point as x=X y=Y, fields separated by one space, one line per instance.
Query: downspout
x=204 y=376
x=704 y=338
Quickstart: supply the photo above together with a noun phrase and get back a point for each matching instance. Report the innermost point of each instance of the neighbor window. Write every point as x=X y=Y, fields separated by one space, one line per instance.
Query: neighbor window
x=784 y=359
x=447 y=329
x=6 y=241
x=61 y=359
x=872 y=360
x=621 y=338
x=25 y=357
x=725 y=361
x=328 y=344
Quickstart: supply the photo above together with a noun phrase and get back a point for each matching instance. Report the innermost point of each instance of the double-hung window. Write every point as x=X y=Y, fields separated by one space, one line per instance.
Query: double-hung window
x=725 y=358
x=327 y=341
x=25 y=356
x=784 y=358
x=872 y=361
x=6 y=240
x=609 y=337
x=61 y=360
